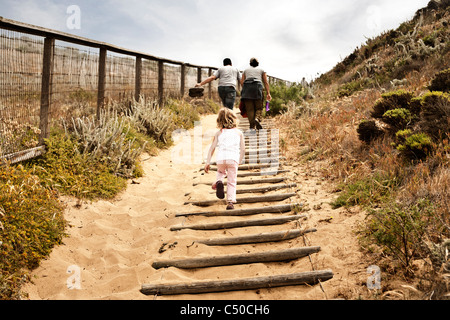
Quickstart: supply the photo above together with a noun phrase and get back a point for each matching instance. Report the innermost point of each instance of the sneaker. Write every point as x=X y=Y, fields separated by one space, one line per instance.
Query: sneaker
x=220 y=190
x=230 y=206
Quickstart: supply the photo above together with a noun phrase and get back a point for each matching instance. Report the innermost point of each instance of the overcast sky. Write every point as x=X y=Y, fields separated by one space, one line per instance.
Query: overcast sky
x=291 y=38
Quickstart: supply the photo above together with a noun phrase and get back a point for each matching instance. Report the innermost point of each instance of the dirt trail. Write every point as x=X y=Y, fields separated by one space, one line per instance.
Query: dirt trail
x=112 y=244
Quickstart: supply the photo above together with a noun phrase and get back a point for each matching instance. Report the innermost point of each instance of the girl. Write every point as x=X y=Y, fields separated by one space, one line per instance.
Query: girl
x=230 y=145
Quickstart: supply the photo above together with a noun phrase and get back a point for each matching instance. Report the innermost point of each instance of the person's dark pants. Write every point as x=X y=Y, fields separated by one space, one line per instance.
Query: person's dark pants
x=254 y=110
x=228 y=96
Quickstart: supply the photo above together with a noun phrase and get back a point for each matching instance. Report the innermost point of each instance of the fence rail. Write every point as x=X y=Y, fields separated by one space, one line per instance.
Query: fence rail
x=47 y=75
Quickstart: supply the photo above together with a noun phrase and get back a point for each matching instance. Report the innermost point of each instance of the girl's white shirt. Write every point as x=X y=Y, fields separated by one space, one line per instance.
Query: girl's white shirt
x=229 y=145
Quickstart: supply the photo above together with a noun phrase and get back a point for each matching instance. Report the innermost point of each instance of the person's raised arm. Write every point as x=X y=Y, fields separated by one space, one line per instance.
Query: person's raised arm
x=206 y=81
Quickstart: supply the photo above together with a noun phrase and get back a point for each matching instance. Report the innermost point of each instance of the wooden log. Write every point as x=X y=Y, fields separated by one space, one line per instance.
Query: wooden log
x=266 y=189
x=273 y=166
x=258 y=238
x=243 y=212
x=266 y=198
x=237 y=259
x=303 y=278
x=261 y=174
x=250 y=182
x=259 y=160
x=239 y=224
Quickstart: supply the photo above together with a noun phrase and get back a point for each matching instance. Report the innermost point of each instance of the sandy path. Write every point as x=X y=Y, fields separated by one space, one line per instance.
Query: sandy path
x=112 y=244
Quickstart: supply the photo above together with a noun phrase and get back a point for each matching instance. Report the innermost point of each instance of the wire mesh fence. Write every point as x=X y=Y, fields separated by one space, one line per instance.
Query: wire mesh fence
x=46 y=76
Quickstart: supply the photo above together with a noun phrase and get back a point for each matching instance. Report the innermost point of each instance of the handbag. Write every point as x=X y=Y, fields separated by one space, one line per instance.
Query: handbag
x=243 y=110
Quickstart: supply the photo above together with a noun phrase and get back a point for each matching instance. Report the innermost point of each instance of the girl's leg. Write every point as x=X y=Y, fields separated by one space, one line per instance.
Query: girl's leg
x=232 y=170
x=218 y=185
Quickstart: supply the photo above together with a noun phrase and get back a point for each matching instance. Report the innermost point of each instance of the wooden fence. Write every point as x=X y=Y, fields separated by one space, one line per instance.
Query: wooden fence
x=46 y=75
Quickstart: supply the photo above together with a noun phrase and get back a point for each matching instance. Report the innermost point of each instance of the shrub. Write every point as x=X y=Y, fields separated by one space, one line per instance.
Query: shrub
x=415 y=146
x=31 y=224
x=398 y=118
x=184 y=115
x=282 y=95
x=399 y=229
x=368 y=130
x=154 y=120
x=351 y=87
x=435 y=116
x=366 y=192
x=65 y=169
x=107 y=141
x=392 y=100
x=441 y=82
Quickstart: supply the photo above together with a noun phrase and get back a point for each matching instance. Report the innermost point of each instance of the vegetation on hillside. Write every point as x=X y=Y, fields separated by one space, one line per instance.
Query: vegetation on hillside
x=380 y=125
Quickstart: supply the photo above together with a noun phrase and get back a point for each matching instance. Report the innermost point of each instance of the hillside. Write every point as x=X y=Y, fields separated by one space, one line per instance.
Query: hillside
x=377 y=126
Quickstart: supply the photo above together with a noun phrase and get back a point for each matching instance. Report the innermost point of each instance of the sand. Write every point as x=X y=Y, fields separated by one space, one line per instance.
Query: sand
x=111 y=245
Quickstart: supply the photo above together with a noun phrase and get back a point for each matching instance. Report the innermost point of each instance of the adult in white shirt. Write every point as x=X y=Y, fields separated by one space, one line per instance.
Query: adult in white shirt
x=253 y=81
x=228 y=78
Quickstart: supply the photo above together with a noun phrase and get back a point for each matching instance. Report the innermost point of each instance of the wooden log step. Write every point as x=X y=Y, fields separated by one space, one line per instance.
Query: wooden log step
x=261 y=174
x=263 y=151
x=258 y=238
x=295 y=279
x=237 y=259
x=266 y=189
x=265 y=198
x=272 y=166
x=259 y=160
x=239 y=224
x=251 y=182
x=243 y=212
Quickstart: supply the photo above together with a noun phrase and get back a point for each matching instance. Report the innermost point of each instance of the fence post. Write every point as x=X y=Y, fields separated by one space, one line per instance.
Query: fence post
x=101 y=81
x=199 y=75
x=183 y=79
x=161 y=83
x=138 y=81
x=46 y=89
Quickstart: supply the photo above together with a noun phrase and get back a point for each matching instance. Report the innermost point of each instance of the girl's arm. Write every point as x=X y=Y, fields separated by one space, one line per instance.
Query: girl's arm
x=211 y=152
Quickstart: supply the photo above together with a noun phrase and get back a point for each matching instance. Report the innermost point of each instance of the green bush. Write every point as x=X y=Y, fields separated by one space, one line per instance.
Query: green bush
x=282 y=94
x=398 y=229
x=392 y=100
x=31 y=224
x=350 y=88
x=366 y=192
x=398 y=118
x=415 y=146
x=435 y=116
x=65 y=169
